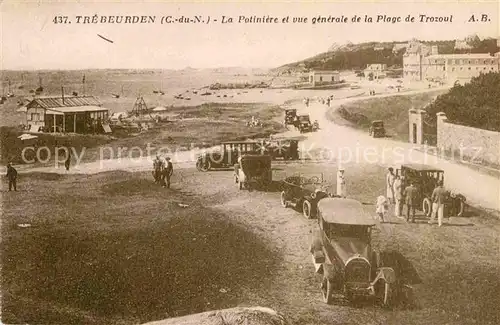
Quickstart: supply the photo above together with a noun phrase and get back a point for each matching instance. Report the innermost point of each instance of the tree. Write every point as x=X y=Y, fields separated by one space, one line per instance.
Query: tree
x=475 y=104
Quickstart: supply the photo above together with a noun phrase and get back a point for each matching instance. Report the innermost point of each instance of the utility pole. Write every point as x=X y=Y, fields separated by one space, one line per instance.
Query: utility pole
x=62 y=94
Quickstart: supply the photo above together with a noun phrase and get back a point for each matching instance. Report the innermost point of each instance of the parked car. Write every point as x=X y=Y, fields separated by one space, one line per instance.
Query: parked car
x=290 y=115
x=305 y=124
x=288 y=149
x=425 y=179
x=343 y=255
x=227 y=155
x=377 y=129
x=253 y=171
x=304 y=193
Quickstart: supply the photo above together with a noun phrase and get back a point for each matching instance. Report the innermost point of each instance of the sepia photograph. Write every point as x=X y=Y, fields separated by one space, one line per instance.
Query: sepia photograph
x=249 y=163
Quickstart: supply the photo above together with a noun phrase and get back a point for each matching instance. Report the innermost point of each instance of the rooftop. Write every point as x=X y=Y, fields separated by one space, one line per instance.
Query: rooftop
x=58 y=102
x=325 y=71
x=462 y=56
x=422 y=167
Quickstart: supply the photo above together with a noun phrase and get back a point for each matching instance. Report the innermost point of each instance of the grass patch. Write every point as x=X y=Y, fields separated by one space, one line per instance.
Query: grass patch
x=392 y=110
x=135 y=256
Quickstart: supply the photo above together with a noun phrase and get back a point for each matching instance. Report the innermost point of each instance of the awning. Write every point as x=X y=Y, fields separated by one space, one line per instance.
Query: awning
x=51 y=112
x=78 y=109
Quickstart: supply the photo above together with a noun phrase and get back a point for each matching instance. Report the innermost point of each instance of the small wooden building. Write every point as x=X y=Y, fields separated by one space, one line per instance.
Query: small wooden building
x=323 y=77
x=67 y=114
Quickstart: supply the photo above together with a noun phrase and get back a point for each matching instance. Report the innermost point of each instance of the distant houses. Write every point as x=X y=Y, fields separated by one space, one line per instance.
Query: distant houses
x=67 y=114
x=375 y=71
x=323 y=77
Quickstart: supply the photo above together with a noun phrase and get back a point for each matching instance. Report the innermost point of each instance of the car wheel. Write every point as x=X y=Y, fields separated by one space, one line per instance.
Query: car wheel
x=306 y=209
x=284 y=202
x=205 y=166
x=427 y=207
x=327 y=291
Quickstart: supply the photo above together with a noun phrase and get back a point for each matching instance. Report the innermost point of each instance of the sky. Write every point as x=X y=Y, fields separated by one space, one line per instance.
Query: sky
x=31 y=40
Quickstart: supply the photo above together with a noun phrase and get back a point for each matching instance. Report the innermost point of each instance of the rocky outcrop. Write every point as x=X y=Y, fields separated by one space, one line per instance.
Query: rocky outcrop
x=231 y=316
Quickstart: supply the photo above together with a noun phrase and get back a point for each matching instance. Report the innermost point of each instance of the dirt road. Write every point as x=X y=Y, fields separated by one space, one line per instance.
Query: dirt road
x=352 y=146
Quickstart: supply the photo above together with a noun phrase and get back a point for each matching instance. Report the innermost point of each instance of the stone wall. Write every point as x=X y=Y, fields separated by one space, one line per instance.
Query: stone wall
x=476 y=145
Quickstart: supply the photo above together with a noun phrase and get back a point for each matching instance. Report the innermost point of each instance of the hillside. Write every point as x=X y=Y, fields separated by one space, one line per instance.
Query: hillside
x=358 y=56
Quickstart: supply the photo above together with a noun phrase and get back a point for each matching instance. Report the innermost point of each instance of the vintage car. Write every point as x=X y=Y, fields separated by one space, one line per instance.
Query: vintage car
x=290 y=115
x=304 y=124
x=253 y=171
x=286 y=148
x=227 y=155
x=343 y=255
x=377 y=129
x=425 y=178
x=303 y=193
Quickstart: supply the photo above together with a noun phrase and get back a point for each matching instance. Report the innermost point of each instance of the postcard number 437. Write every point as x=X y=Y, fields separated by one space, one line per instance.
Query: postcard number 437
x=61 y=20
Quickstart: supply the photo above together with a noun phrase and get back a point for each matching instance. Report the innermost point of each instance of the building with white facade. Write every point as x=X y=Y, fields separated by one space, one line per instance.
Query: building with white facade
x=323 y=77
x=421 y=62
x=377 y=70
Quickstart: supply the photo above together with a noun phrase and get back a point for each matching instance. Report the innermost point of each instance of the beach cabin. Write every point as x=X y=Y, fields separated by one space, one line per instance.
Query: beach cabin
x=67 y=114
x=323 y=77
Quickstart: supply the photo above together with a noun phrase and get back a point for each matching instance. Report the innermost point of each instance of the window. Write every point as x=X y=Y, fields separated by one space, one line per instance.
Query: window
x=485 y=61
x=35 y=116
x=461 y=68
x=452 y=69
x=320 y=79
x=333 y=78
x=450 y=61
x=469 y=68
x=444 y=68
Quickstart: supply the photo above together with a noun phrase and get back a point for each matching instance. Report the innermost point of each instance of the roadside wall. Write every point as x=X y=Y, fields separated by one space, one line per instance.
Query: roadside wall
x=476 y=144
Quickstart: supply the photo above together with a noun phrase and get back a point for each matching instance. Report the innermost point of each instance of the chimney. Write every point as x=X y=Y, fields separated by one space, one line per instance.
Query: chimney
x=62 y=94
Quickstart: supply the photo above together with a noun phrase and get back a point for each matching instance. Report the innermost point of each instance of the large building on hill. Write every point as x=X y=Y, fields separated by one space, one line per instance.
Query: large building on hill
x=422 y=62
x=66 y=114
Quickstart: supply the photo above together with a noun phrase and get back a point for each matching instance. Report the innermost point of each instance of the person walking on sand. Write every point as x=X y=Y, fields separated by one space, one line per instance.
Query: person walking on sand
x=12 y=177
x=341 y=184
x=389 y=181
x=438 y=198
x=157 y=169
x=398 y=196
x=167 y=172
x=410 y=195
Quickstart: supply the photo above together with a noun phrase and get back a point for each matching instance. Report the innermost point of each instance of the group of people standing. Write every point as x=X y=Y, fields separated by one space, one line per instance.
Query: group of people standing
x=162 y=171
x=409 y=197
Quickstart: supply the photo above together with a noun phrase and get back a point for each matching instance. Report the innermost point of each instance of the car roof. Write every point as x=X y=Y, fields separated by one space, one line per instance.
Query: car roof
x=344 y=211
x=422 y=167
